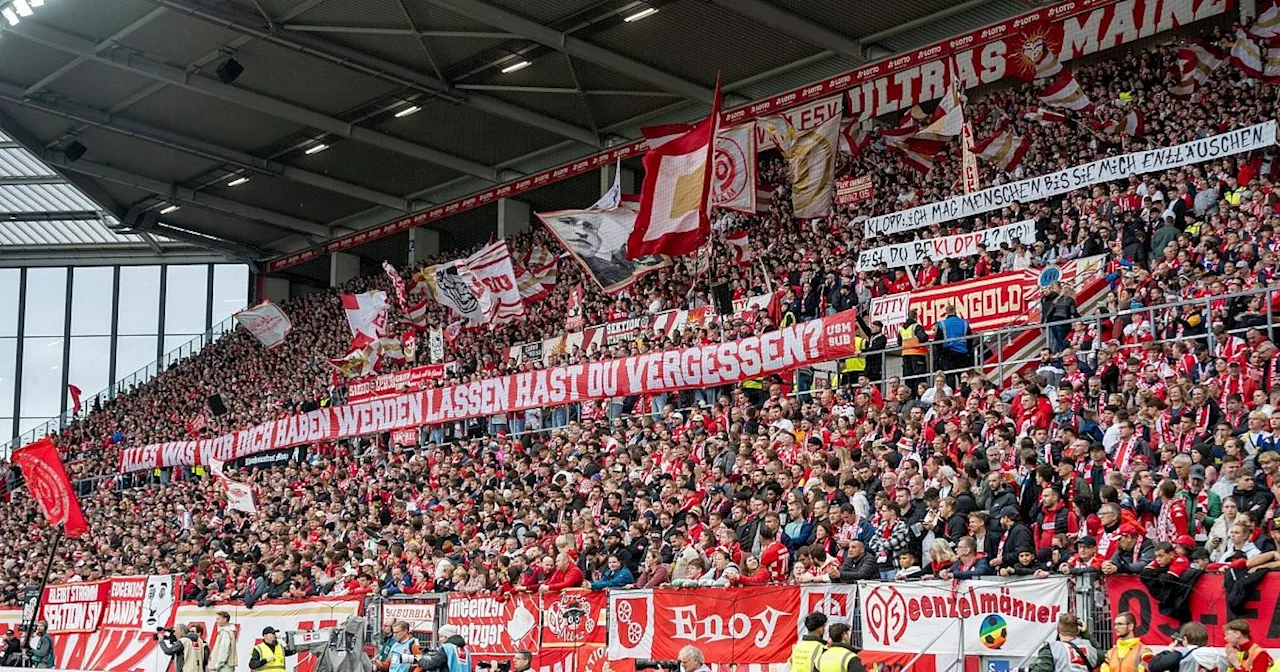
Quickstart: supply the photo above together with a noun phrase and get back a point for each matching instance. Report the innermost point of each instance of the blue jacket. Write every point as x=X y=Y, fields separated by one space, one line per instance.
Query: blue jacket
x=951 y=331
x=613 y=579
x=980 y=568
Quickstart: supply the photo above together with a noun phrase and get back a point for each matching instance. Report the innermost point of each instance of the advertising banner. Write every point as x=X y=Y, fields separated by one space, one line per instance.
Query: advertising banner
x=421 y=615
x=997 y=618
x=495 y=625
x=803 y=344
x=855 y=190
x=398 y=382
x=729 y=625
x=1208 y=603
x=1063 y=181
x=835 y=600
x=987 y=303
x=947 y=247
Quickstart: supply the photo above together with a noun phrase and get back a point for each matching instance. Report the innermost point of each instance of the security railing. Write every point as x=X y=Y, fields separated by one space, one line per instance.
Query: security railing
x=124 y=385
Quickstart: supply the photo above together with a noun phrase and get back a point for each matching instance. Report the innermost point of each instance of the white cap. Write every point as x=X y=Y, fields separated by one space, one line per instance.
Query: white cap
x=447 y=631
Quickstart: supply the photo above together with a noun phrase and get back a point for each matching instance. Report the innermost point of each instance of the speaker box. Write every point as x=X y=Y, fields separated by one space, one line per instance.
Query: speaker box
x=216 y=406
x=723 y=298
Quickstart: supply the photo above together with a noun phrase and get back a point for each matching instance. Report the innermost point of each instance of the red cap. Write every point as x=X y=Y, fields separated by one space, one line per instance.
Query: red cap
x=1185 y=540
x=1132 y=530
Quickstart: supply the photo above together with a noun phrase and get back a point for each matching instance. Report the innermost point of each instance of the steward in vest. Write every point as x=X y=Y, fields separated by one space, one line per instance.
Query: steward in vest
x=269 y=654
x=1244 y=654
x=855 y=366
x=805 y=653
x=1129 y=654
x=451 y=656
x=1073 y=649
x=915 y=354
x=839 y=658
x=401 y=653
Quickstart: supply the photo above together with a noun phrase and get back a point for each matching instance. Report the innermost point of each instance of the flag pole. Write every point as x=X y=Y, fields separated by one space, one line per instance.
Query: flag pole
x=48 y=569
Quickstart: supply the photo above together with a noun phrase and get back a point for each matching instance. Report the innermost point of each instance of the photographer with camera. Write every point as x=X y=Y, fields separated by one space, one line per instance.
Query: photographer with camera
x=269 y=654
x=181 y=645
x=452 y=654
x=40 y=646
x=401 y=652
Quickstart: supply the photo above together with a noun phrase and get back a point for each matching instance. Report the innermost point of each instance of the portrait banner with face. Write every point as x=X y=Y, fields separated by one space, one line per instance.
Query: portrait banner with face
x=597 y=239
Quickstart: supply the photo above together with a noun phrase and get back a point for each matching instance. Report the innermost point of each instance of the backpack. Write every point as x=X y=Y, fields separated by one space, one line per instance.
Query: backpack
x=1168 y=660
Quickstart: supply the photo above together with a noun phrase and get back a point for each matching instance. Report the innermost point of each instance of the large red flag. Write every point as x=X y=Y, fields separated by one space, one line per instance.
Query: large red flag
x=675 y=200
x=48 y=483
x=75 y=398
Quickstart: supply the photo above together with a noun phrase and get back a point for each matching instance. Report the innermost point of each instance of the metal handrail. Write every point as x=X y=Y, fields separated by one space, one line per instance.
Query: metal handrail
x=152 y=369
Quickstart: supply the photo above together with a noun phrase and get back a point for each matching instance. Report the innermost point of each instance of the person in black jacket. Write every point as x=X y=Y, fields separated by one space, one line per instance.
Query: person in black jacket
x=952 y=524
x=1134 y=551
x=858 y=565
x=1026 y=565
x=1016 y=535
x=1001 y=498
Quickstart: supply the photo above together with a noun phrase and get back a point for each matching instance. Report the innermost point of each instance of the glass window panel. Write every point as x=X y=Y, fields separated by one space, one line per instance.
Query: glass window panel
x=31 y=424
x=6 y=432
x=46 y=312
x=90 y=366
x=91 y=301
x=8 y=362
x=186 y=295
x=230 y=290
x=139 y=302
x=41 y=377
x=134 y=353
x=9 y=280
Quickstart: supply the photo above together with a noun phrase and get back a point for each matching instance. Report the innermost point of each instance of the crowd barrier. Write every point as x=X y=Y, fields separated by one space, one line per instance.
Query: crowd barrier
x=923 y=626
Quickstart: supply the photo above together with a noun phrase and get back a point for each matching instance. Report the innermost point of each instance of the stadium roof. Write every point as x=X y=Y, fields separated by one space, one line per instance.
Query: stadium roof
x=257 y=127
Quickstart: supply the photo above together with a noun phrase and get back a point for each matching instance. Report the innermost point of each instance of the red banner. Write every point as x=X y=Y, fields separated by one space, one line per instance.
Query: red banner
x=803 y=344
x=572 y=632
x=74 y=607
x=495 y=625
x=854 y=190
x=48 y=483
x=390 y=384
x=1015 y=47
x=143 y=602
x=730 y=625
x=1208 y=603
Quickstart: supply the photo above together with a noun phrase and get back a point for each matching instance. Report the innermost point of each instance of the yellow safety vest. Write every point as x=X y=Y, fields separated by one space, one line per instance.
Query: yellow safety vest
x=857 y=362
x=804 y=655
x=1235 y=196
x=753 y=384
x=264 y=650
x=836 y=659
x=910 y=344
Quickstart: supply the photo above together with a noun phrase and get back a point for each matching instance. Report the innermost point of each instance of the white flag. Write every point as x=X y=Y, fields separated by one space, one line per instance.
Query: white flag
x=367 y=314
x=733 y=182
x=239 y=496
x=266 y=322
x=481 y=288
x=435 y=345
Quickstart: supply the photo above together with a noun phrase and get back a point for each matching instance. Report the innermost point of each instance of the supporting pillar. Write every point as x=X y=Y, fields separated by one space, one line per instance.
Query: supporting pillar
x=513 y=218
x=275 y=289
x=423 y=243
x=342 y=267
x=1248 y=11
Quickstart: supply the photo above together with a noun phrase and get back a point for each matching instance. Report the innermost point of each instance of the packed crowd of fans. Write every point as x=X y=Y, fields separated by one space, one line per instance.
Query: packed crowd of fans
x=1136 y=446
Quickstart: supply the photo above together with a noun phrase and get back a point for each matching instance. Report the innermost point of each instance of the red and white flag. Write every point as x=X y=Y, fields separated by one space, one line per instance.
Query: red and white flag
x=1004 y=150
x=481 y=288
x=919 y=154
x=574 y=320
x=1133 y=124
x=239 y=495
x=266 y=322
x=741 y=246
x=1246 y=53
x=853 y=139
x=397 y=283
x=970 y=176
x=1196 y=61
x=1042 y=116
x=1064 y=91
x=197 y=425
x=764 y=198
x=537 y=275
x=366 y=314
x=75 y=398
x=811 y=158
x=1268 y=23
x=48 y=484
x=948 y=119
x=452 y=331
x=416 y=315
x=675 y=200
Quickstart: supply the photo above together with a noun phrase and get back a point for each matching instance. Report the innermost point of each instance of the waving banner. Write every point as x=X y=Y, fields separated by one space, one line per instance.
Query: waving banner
x=947 y=247
x=997 y=618
x=804 y=344
x=266 y=322
x=1064 y=181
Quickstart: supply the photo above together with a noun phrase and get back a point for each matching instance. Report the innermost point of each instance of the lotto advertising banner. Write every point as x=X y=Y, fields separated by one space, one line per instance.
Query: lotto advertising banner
x=399 y=382
x=1063 y=181
x=993 y=618
x=1208 y=603
x=947 y=247
x=729 y=625
x=1016 y=47
x=803 y=344
x=110 y=648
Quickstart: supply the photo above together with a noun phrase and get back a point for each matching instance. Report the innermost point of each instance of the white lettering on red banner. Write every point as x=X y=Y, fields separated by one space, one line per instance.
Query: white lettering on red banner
x=854 y=190
x=398 y=382
x=1071 y=28
x=803 y=344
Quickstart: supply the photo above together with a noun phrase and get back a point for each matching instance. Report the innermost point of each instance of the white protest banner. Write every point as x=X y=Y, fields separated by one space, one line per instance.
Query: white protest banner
x=803 y=344
x=1063 y=181
x=854 y=190
x=947 y=247
x=266 y=322
x=989 y=617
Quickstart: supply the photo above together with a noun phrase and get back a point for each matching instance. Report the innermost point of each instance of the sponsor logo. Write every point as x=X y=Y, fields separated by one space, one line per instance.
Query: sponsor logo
x=899 y=61
x=994 y=31
x=833 y=604
x=1064 y=8
x=885 y=615
x=930 y=52
x=812 y=90
x=758 y=628
x=961 y=42
x=839 y=81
